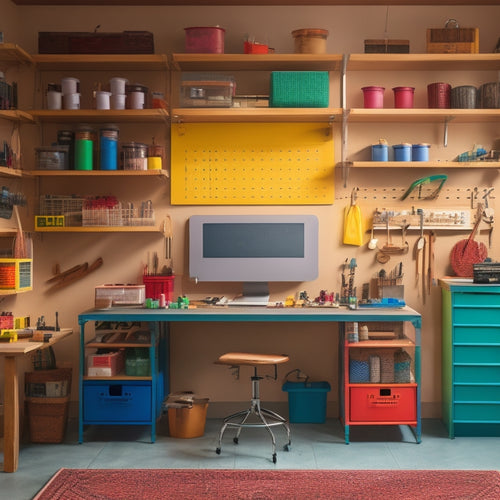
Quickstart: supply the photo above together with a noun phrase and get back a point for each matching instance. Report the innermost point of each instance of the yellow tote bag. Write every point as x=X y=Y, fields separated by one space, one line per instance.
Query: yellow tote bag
x=353 y=223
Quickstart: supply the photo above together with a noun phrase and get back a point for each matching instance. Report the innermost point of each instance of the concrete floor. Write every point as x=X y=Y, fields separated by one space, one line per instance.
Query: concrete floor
x=314 y=446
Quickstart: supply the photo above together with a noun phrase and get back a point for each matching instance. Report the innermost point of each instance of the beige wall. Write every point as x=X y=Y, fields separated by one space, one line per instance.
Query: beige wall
x=312 y=348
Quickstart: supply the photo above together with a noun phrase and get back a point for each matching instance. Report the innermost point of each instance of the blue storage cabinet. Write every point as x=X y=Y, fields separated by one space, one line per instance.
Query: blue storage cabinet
x=123 y=399
x=470 y=358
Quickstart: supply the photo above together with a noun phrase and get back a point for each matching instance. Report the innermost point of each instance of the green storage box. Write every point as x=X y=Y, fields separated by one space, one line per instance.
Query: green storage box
x=299 y=89
x=307 y=401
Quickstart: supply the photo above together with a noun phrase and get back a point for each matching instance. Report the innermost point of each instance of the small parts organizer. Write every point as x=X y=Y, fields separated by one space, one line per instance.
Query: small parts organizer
x=71 y=211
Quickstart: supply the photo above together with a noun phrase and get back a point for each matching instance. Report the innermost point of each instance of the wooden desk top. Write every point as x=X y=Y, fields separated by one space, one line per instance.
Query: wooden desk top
x=22 y=347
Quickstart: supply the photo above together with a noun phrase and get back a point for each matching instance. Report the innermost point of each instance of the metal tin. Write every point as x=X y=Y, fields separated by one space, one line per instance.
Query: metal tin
x=310 y=40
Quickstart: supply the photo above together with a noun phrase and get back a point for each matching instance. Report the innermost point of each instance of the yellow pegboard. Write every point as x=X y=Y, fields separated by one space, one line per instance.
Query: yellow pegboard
x=252 y=164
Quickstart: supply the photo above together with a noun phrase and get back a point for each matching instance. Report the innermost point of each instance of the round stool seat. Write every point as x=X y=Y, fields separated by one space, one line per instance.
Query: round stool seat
x=245 y=358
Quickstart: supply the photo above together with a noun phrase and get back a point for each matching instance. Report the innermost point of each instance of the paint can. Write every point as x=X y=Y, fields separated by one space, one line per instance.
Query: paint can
x=373 y=96
x=403 y=97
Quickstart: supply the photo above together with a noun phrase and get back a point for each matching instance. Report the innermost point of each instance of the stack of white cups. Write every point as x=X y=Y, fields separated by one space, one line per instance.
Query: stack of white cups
x=118 y=95
x=70 y=88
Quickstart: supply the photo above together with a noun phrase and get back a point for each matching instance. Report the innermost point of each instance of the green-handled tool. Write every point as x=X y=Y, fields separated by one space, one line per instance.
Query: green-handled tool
x=438 y=180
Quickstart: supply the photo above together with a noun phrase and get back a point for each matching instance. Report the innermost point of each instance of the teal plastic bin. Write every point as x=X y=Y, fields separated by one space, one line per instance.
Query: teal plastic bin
x=306 y=401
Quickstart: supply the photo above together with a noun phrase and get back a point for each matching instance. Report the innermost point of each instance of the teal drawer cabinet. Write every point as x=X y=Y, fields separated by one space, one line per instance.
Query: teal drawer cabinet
x=470 y=358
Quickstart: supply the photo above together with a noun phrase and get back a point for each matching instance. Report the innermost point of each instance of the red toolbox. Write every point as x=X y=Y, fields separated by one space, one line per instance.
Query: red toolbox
x=395 y=403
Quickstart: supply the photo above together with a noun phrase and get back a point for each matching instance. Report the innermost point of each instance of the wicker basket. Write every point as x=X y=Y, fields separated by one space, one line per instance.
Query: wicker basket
x=47 y=419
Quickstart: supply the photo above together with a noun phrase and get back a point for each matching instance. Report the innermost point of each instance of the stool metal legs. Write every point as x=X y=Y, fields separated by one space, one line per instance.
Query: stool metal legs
x=265 y=418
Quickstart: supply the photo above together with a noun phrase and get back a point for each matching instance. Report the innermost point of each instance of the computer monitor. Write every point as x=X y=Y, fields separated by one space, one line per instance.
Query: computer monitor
x=253 y=249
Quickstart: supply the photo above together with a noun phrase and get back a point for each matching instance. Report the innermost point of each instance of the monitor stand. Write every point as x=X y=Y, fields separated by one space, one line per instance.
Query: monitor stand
x=254 y=294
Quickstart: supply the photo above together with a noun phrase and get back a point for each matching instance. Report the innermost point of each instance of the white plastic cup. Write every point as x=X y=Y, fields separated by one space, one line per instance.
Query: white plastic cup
x=117 y=85
x=136 y=100
x=118 y=101
x=70 y=85
x=102 y=99
x=54 y=99
x=71 y=101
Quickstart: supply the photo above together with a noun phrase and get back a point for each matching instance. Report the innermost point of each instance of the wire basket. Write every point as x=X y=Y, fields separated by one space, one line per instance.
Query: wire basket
x=118 y=216
x=69 y=206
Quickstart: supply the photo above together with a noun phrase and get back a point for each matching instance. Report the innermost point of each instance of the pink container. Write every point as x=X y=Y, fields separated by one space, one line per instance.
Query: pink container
x=403 y=97
x=373 y=97
x=205 y=40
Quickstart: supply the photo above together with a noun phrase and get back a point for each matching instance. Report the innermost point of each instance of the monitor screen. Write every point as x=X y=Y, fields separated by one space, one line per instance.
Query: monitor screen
x=253 y=248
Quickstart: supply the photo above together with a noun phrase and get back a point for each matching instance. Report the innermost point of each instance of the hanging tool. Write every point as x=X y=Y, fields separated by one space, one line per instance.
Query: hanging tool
x=419 y=246
x=436 y=180
x=430 y=268
x=468 y=252
x=353 y=222
x=77 y=275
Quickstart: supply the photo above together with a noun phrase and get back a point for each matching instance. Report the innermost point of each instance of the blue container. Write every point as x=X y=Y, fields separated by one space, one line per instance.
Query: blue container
x=380 y=152
x=402 y=152
x=420 y=152
x=108 y=156
x=306 y=401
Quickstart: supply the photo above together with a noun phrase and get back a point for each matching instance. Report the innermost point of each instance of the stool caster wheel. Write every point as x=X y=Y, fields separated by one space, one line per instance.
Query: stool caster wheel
x=275 y=458
x=287 y=447
x=235 y=440
x=217 y=450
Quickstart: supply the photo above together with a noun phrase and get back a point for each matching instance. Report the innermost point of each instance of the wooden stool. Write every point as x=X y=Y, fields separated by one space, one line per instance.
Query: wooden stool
x=264 y=418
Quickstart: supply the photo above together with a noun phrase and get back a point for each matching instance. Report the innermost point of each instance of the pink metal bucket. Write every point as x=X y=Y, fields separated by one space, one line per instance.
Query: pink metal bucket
x=403 y=97
x=373 y=97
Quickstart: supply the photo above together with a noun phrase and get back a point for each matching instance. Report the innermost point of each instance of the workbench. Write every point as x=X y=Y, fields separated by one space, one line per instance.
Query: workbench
x=12 y=351
x=94 y=392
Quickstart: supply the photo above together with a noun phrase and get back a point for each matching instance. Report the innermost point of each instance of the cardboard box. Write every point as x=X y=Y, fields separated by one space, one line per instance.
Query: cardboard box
x=105 y=365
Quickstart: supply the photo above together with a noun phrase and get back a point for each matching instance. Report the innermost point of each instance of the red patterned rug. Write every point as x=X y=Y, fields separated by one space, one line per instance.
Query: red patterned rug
x=187 y=484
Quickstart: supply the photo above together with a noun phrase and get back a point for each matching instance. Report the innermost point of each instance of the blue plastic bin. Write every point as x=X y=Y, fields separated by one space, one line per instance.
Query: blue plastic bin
x=306 y=401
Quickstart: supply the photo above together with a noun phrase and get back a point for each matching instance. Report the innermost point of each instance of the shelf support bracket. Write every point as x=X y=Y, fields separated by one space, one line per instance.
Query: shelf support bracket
x=445 y=135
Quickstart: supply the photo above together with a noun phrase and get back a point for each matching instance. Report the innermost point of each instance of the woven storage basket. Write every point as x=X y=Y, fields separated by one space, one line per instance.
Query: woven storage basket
x=402 y=363
x=359 y=366
x=47 y=419
x=375 y=369
x=299 y=89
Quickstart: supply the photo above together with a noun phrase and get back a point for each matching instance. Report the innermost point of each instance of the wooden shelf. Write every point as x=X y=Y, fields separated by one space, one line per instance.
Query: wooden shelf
x=99 y=173
x=15 y=115
x=14 y=292
x=256 y=62
x=257 y=2
x=100 y=229
x=423 y=62
x=425 y=164
x=189 y=115
x=392 y=343
x=115 y=345
x=101 y=62
x=10 y=172
x=423 y=115
x=101 y=116
x=11 y=54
